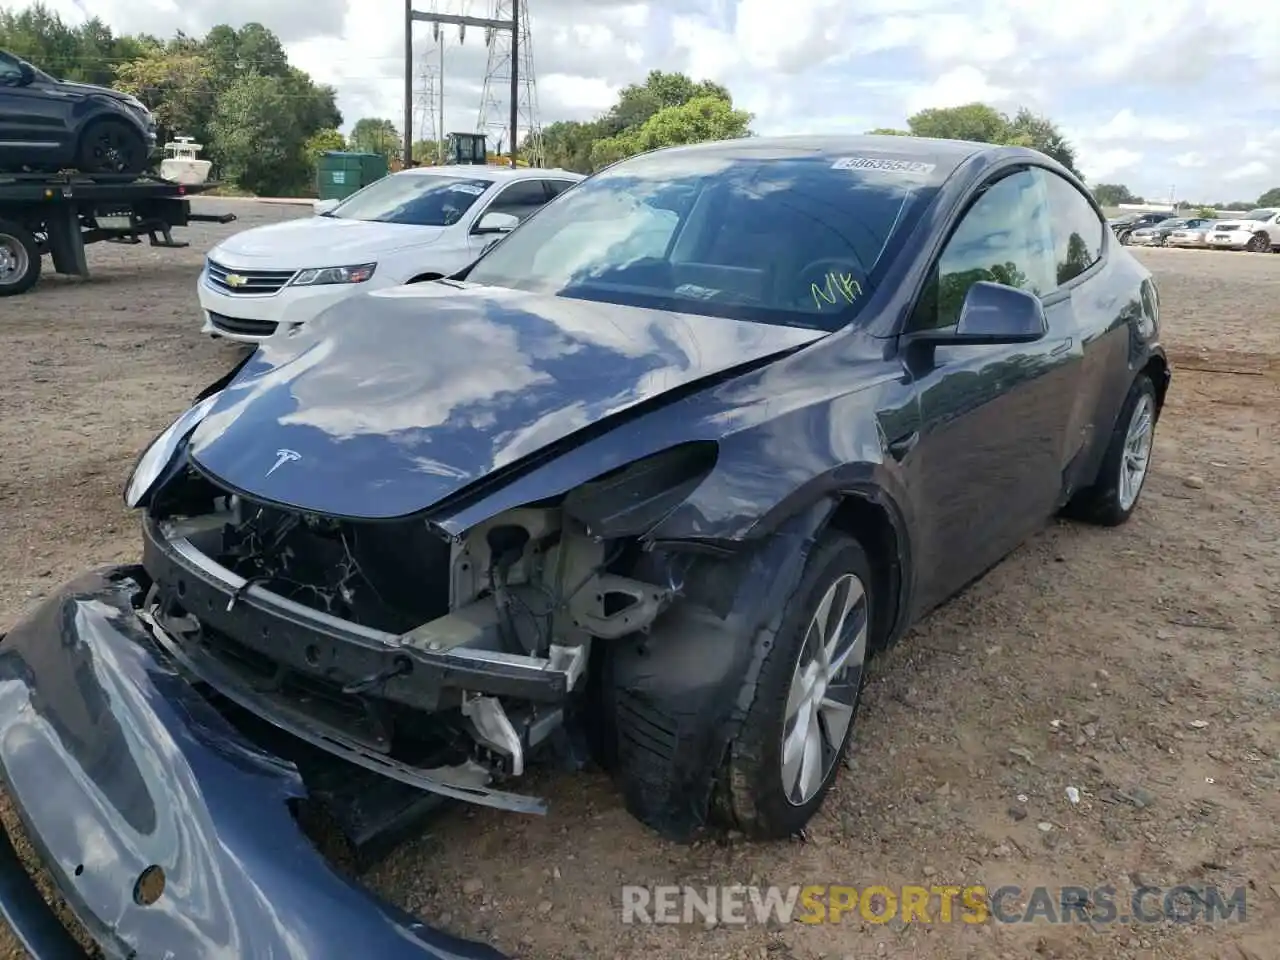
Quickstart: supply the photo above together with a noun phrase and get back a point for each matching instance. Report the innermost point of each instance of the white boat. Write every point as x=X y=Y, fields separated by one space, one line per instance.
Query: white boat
x=183 y=163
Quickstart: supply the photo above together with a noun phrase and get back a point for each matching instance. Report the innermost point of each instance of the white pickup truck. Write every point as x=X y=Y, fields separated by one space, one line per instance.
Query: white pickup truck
x=1257 y=231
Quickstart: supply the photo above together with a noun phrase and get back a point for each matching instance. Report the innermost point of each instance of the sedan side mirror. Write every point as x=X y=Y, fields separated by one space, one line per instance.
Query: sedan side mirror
x=26 y=75
x=992 y=314
x=495 y=222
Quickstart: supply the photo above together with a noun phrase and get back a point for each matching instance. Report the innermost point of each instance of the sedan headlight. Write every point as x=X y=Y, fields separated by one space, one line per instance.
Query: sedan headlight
x=327 y=275
x=160 y=453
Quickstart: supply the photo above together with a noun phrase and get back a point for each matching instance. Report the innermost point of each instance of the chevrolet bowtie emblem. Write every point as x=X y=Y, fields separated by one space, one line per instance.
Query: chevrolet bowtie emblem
x=235 y=280
x=283 y=457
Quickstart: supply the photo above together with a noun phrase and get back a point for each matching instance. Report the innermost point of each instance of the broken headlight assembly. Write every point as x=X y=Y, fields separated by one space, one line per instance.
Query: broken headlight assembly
x=632 y=500
x=151 y=465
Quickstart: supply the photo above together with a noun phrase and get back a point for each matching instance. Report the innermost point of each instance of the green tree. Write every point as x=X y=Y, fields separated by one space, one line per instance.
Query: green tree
x=376 y=135
x=1205 y=212
x=982 y=123
x=322 y=142
x=1271 y=198
x=177 y=86
x=889 y=132
x=1027 y=129
x=700 y=120
x=258 y=141
x=1114 y=194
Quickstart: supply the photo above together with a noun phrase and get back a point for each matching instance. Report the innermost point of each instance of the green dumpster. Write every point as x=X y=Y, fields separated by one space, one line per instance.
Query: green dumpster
x=340 y=173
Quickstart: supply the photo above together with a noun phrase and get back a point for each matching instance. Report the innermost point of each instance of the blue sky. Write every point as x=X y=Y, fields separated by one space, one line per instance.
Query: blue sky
x=1160 y=95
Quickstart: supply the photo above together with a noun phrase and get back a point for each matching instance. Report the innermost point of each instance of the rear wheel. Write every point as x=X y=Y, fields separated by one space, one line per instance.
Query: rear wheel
x=797 y=728
x=111 y=146
x=1112 y=499
x=19 y=259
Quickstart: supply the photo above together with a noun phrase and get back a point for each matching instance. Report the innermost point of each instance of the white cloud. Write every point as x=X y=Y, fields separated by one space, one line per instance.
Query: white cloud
x=1137 y=86
x=1250 y=170
x=959 y=85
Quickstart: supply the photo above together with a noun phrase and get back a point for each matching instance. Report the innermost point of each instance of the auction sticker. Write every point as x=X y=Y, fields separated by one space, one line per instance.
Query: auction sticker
x=878 y=163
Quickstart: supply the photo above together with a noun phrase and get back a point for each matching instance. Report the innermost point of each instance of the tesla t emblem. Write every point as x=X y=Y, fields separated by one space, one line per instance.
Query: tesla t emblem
x=235 y=280
x=283 y=457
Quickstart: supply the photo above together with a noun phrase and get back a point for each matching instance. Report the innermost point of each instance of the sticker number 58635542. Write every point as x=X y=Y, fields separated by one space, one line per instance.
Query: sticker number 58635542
x=882 y=163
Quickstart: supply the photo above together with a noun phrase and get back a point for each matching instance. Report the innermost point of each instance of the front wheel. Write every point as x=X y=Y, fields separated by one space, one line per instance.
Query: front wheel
x=19 y=259
x=1259 y=243
x=112 y=146
x=797 y=728
x=1113 y=497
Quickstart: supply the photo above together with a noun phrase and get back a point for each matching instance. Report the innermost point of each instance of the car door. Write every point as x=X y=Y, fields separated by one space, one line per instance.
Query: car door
x=1098 y=316
x=521 y=199
x=33 y=119
x=993 y=418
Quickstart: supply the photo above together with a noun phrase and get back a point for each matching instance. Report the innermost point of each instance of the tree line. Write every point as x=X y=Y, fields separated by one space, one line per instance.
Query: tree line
x=1114 y=194
x=264 y=122
x=260 y=118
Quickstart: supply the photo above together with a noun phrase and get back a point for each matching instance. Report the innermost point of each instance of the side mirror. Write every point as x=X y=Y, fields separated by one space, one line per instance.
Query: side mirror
x=321 y=207
x=26 y=75
x=992 y=314
x=494 y=222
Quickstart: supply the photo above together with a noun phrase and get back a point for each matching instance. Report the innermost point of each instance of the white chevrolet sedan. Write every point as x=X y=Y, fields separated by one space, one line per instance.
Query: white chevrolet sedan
x=418 y=224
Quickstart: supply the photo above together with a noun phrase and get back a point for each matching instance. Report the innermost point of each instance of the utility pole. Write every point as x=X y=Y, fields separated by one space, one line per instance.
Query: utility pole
x=407 y=153
x=485 y=23
x=515 y=77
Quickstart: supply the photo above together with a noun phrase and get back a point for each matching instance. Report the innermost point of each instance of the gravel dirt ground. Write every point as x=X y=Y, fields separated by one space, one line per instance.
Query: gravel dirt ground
x=1140 y=666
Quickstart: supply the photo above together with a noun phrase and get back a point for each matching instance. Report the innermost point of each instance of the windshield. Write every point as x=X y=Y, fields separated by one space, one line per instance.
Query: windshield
x=1262 y=214
x=1172 y=223
x=423 y=200
x=792 y=237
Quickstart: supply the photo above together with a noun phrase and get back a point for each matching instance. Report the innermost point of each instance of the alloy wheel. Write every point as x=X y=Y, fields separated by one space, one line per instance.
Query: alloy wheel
x=1137 y=452
x=824 y=688
x=14 y=261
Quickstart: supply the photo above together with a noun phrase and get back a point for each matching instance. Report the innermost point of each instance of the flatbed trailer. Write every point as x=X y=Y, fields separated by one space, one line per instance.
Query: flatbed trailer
x=61 y=214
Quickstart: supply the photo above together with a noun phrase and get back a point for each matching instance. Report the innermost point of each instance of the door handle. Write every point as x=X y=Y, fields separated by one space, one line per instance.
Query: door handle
x=1062 y=348
x=898 y=449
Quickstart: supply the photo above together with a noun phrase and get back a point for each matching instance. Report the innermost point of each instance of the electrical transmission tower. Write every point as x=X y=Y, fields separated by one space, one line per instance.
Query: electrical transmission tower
x=495 y=100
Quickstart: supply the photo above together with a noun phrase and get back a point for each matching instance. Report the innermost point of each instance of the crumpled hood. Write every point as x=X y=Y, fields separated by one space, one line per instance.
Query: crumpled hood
x=391 y=401
x=320 y=242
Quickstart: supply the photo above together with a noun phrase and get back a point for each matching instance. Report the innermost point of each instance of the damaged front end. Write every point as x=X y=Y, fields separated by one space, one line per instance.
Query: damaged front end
x=439 y=662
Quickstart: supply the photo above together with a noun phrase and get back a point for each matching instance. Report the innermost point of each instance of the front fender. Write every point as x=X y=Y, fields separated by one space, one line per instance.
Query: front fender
x=689 y=684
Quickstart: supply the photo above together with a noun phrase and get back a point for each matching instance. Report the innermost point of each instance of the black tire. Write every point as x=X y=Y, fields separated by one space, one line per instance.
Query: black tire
x=111 y=146
x=1259 y=243
x=750 y=792
x=1102 y=503
x=20 y=260
x=1124 y=238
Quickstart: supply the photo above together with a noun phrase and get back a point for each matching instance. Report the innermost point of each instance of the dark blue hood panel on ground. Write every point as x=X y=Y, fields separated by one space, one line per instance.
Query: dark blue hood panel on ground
x=390 y=402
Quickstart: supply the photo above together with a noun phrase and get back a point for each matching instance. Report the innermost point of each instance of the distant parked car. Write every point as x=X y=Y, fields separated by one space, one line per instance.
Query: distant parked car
x=1123 y=227
x=1158 y=235
x=1257 y=231
x=1191 y=236
x=419 y=224
x=48 y=124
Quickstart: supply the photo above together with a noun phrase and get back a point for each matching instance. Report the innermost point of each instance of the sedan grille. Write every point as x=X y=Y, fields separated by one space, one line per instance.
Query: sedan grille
x=246 y=328
x=261 y=283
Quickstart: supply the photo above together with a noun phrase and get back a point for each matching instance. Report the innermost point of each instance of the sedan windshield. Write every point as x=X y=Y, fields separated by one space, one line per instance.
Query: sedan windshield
x=792 y=237
x=423 y=200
